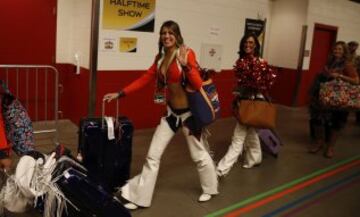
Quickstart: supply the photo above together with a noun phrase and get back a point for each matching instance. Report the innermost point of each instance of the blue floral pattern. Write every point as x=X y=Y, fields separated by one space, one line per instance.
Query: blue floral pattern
x=19 y=129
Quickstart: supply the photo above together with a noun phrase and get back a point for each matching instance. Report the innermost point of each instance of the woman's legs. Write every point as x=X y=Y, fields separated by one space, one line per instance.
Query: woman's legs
x=139 y=190
x=253 y=154
x=329 y=151
x=235 y=149
x=319 y=132
x=337 y=123
x=204 y=164
x=357 y=117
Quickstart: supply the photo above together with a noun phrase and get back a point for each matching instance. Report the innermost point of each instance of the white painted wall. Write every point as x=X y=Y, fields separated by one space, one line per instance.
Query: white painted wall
x=195 y=18
x=73 y=31
x=64 y=33
x=287 y=19
x=341 y=13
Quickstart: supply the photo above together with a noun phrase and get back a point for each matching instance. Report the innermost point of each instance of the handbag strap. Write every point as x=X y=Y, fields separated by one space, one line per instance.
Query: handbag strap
x=201 y=91
x=205 y=96
x=253 y=96
x=267 y=97
x=4 y=87
x=184 y=80
x=7 y=93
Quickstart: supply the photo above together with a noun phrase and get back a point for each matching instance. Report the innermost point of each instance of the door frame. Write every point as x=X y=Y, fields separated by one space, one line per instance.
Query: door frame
x=317 y=26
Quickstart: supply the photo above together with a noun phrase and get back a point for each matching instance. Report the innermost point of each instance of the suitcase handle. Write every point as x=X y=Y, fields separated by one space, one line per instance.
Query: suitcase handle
x=103 y=112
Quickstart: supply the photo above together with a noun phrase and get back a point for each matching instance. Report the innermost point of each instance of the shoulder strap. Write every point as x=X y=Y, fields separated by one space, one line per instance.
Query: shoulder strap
x=177 y=61
x=4 y=87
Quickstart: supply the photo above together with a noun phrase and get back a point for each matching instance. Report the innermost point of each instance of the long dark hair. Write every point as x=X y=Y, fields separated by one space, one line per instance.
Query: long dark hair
x=241 y=51
x=175 y=28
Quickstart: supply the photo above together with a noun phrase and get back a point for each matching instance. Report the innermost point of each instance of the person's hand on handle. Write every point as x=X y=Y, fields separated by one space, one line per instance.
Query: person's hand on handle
x=111 y=96
x=335 y=75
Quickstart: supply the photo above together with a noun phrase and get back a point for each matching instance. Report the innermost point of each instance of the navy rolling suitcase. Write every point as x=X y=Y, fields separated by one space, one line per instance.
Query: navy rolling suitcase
x=107 y=160
x=85 y=198
x=269 y=141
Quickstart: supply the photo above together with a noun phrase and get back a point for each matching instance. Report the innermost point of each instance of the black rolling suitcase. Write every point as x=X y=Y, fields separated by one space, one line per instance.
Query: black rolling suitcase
x=107 y=160
x=84 y=197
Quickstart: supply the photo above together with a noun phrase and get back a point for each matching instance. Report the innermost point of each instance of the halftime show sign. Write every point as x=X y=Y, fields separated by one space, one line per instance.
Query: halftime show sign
x=132 y=15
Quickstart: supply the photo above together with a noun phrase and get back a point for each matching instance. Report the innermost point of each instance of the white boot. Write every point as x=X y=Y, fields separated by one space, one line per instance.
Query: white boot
x=204 y=197
x=131 y=206
x=235 y=149
x=140 y=189
x=204 y=164
x=253 y=155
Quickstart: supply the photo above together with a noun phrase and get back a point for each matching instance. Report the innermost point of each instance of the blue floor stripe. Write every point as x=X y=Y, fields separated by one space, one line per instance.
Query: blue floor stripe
x=308 y=196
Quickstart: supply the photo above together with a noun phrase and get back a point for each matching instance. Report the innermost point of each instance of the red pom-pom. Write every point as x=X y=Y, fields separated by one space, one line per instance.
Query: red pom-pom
x=254 y=73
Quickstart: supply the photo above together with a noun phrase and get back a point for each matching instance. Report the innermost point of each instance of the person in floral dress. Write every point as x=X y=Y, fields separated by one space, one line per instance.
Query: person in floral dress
x=326 y=124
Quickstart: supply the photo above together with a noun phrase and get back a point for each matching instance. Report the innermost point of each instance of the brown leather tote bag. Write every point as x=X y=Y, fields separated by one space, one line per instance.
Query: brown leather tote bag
x=256 y=113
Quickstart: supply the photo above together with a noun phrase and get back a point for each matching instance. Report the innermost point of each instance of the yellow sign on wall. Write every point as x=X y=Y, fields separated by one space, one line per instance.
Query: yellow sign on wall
x=128 y=45
x=134 y=15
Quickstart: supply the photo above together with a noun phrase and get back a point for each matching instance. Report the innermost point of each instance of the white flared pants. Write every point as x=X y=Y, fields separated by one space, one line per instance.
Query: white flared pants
x=139 y=190
x=243 y=137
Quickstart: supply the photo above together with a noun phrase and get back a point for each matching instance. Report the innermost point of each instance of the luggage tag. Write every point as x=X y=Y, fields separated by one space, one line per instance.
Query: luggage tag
x=159 y=97
x=66 y=174
x=110 y=128
x=160 y=92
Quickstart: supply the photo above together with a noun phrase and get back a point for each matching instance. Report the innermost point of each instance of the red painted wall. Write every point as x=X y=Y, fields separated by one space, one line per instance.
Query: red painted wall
x=139 y=106
x=73 y=92
x=284 y=89
x=29 y=38
x=30 y=86
x=305 y=85
x=323 y=39
x=28 y=29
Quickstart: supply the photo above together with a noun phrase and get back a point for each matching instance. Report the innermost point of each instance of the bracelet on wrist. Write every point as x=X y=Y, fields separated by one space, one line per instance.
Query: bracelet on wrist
x=121 y=94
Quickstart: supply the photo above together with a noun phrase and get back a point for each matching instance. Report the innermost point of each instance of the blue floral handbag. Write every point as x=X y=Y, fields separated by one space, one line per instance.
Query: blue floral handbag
x=204 y=103
x=18 y=125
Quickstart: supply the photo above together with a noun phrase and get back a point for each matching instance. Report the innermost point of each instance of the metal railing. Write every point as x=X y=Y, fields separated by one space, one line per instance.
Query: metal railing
x=37 y=88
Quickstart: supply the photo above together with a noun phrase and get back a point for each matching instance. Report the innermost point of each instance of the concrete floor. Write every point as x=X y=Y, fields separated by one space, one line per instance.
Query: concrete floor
x=334 y=194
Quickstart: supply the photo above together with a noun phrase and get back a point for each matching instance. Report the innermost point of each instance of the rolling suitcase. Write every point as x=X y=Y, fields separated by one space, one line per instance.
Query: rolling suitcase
x=107 y=160
x=269 y=141
x=84 y=197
